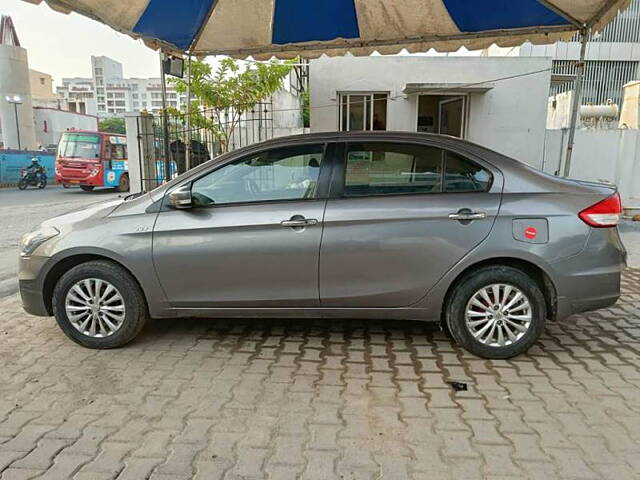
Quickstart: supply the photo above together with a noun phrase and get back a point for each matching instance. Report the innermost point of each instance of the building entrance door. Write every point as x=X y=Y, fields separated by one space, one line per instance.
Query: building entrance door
x=451 y=116
x=444 y=114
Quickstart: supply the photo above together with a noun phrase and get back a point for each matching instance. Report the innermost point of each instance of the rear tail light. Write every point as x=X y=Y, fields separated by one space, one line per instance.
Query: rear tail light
x=605 y=213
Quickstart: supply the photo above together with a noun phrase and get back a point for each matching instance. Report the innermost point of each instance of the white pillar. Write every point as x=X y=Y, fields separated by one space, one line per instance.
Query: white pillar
x=143 y=175
x=14 y=81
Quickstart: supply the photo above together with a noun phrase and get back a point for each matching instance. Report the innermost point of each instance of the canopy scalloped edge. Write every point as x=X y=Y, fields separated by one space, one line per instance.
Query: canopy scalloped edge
x=448 y=43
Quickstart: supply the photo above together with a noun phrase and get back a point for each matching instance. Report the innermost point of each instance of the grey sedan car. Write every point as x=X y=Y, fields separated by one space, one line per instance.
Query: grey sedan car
x=339 y=225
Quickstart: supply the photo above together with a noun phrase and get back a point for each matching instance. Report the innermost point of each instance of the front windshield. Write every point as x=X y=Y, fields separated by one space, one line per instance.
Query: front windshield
x=79 y=145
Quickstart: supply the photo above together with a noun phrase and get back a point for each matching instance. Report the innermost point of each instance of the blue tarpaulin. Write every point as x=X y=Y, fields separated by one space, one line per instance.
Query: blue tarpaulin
x=285 y=28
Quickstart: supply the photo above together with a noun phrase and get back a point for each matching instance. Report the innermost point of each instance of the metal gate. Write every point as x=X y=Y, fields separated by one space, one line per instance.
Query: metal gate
x=193 y=139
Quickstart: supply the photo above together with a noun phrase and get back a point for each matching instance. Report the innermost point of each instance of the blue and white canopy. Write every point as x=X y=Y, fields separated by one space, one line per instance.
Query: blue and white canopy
x=287 y=28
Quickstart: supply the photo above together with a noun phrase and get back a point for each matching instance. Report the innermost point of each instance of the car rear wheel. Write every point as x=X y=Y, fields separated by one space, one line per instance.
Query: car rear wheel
x=496 y=312
x=99 y=305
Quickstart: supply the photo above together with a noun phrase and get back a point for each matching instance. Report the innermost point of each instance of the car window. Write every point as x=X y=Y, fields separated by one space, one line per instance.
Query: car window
x=462 y=175
x=380 y=168
x=287 y=173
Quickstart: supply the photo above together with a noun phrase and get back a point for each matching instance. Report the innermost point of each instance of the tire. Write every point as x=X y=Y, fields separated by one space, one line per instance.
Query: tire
x=496 y=347
x=42 y=184
x=134 y=315
x=65 y=185
x=22 y=184
x=87 y=188
x=123 y=183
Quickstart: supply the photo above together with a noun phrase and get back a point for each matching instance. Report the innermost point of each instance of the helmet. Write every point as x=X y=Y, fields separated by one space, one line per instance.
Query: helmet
x=34 y=160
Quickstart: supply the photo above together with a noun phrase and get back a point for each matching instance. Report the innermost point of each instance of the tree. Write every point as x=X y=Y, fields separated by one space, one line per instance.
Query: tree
x=112 y=125
x=223 y=96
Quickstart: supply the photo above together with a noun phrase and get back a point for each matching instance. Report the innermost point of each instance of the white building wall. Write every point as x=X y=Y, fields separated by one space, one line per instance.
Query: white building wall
x=287 y=114
x=51 y=123
x=14 y=80
x=510 y=118
x=599 y=155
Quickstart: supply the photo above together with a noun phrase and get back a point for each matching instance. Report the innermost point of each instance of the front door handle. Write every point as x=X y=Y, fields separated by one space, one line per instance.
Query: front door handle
x=298 y=221
x=467 y=215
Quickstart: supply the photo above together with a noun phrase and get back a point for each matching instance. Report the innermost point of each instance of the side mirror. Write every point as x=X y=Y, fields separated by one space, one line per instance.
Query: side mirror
x=181 y=197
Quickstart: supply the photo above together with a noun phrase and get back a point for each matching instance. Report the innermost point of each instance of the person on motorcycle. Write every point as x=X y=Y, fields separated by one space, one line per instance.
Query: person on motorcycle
x=35 y=174
x=35 y=168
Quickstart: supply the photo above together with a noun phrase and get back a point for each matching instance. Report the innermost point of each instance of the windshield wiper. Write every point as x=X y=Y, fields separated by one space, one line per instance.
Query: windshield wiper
x=131 y=196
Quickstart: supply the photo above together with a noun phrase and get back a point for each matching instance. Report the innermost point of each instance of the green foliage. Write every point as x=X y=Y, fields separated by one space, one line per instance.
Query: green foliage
x=112 y=125
x=306 y=109
x=223 y=96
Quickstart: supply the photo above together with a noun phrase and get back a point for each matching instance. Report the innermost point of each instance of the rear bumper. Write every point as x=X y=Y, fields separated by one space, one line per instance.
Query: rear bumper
x=591 y=280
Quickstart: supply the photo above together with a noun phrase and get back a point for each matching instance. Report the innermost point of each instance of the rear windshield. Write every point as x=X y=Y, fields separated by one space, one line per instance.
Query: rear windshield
x=79 y=145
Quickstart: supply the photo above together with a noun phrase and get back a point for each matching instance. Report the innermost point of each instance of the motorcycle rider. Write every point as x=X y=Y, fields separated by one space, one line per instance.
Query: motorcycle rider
x=35 y=168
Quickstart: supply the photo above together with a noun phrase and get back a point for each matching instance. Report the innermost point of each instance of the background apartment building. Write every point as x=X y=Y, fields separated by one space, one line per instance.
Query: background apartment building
x=109 y=94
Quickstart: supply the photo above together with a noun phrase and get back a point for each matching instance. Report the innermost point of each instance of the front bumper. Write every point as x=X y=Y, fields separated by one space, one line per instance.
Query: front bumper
x=76 y=180
x=33 y=298
x=31 y=275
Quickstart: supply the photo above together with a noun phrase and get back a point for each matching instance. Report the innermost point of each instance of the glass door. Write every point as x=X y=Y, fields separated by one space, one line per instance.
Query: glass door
x=451 y=113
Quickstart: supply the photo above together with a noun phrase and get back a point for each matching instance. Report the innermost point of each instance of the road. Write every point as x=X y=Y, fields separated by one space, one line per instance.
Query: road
x=21 y=211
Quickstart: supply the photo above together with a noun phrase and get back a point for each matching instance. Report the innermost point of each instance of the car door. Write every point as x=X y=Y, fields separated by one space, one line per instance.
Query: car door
x=253 y=236
x=400 y=215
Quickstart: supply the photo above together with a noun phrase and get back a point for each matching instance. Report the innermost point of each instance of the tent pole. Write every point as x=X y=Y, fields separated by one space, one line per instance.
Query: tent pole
x=165 y=120
x=188 y=146
x=576 y=100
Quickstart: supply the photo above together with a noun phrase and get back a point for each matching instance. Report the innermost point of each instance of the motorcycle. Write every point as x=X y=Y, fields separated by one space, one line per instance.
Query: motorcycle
x=36 y=178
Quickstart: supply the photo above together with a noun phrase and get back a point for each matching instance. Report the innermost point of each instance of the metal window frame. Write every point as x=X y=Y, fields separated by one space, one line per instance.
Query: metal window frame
x=370 y=94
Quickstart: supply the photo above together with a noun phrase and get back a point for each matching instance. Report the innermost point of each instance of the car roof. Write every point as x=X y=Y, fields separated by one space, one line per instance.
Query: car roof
x=382 y=135
x=436 y=138
x=370 y=134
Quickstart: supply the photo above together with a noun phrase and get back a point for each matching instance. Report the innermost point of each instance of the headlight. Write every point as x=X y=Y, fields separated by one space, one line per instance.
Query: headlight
x=34 y=239
x=94 y=172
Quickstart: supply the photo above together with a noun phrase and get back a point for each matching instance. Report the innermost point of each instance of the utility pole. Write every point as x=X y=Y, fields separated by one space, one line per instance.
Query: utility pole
x=16 y=100
x=577 y=97
x=165 y=120
x=188 y=142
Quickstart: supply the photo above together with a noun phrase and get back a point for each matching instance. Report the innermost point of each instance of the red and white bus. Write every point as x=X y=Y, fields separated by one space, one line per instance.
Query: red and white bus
x=92 y=159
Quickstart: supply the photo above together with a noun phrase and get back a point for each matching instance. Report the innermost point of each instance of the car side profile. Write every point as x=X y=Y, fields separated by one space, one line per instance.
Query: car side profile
x=405 y=226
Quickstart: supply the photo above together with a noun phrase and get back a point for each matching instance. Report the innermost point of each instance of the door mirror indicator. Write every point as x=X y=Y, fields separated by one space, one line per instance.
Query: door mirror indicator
x=181 y=197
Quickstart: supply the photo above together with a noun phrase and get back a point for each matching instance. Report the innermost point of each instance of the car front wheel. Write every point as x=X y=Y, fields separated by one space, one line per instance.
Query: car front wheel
x=99 y=305
x=496 y=312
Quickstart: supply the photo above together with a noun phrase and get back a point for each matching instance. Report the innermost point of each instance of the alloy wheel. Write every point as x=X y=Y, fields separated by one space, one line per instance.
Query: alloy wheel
x=498 y=315
x=95 y=307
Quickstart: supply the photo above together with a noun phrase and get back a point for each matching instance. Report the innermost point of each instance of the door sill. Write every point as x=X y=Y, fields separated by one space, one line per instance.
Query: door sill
x=398 y=313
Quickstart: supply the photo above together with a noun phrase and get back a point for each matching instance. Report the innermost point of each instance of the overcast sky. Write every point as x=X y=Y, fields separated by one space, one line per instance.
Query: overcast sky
x=62 y=45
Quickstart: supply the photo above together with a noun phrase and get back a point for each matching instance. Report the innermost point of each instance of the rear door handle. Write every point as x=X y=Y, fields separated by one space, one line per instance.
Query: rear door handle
x=299 y=222
x=466 y=216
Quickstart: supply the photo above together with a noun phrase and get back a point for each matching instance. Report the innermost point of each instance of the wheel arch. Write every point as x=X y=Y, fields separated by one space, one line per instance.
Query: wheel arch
x=541 y=277
x=62 y=265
